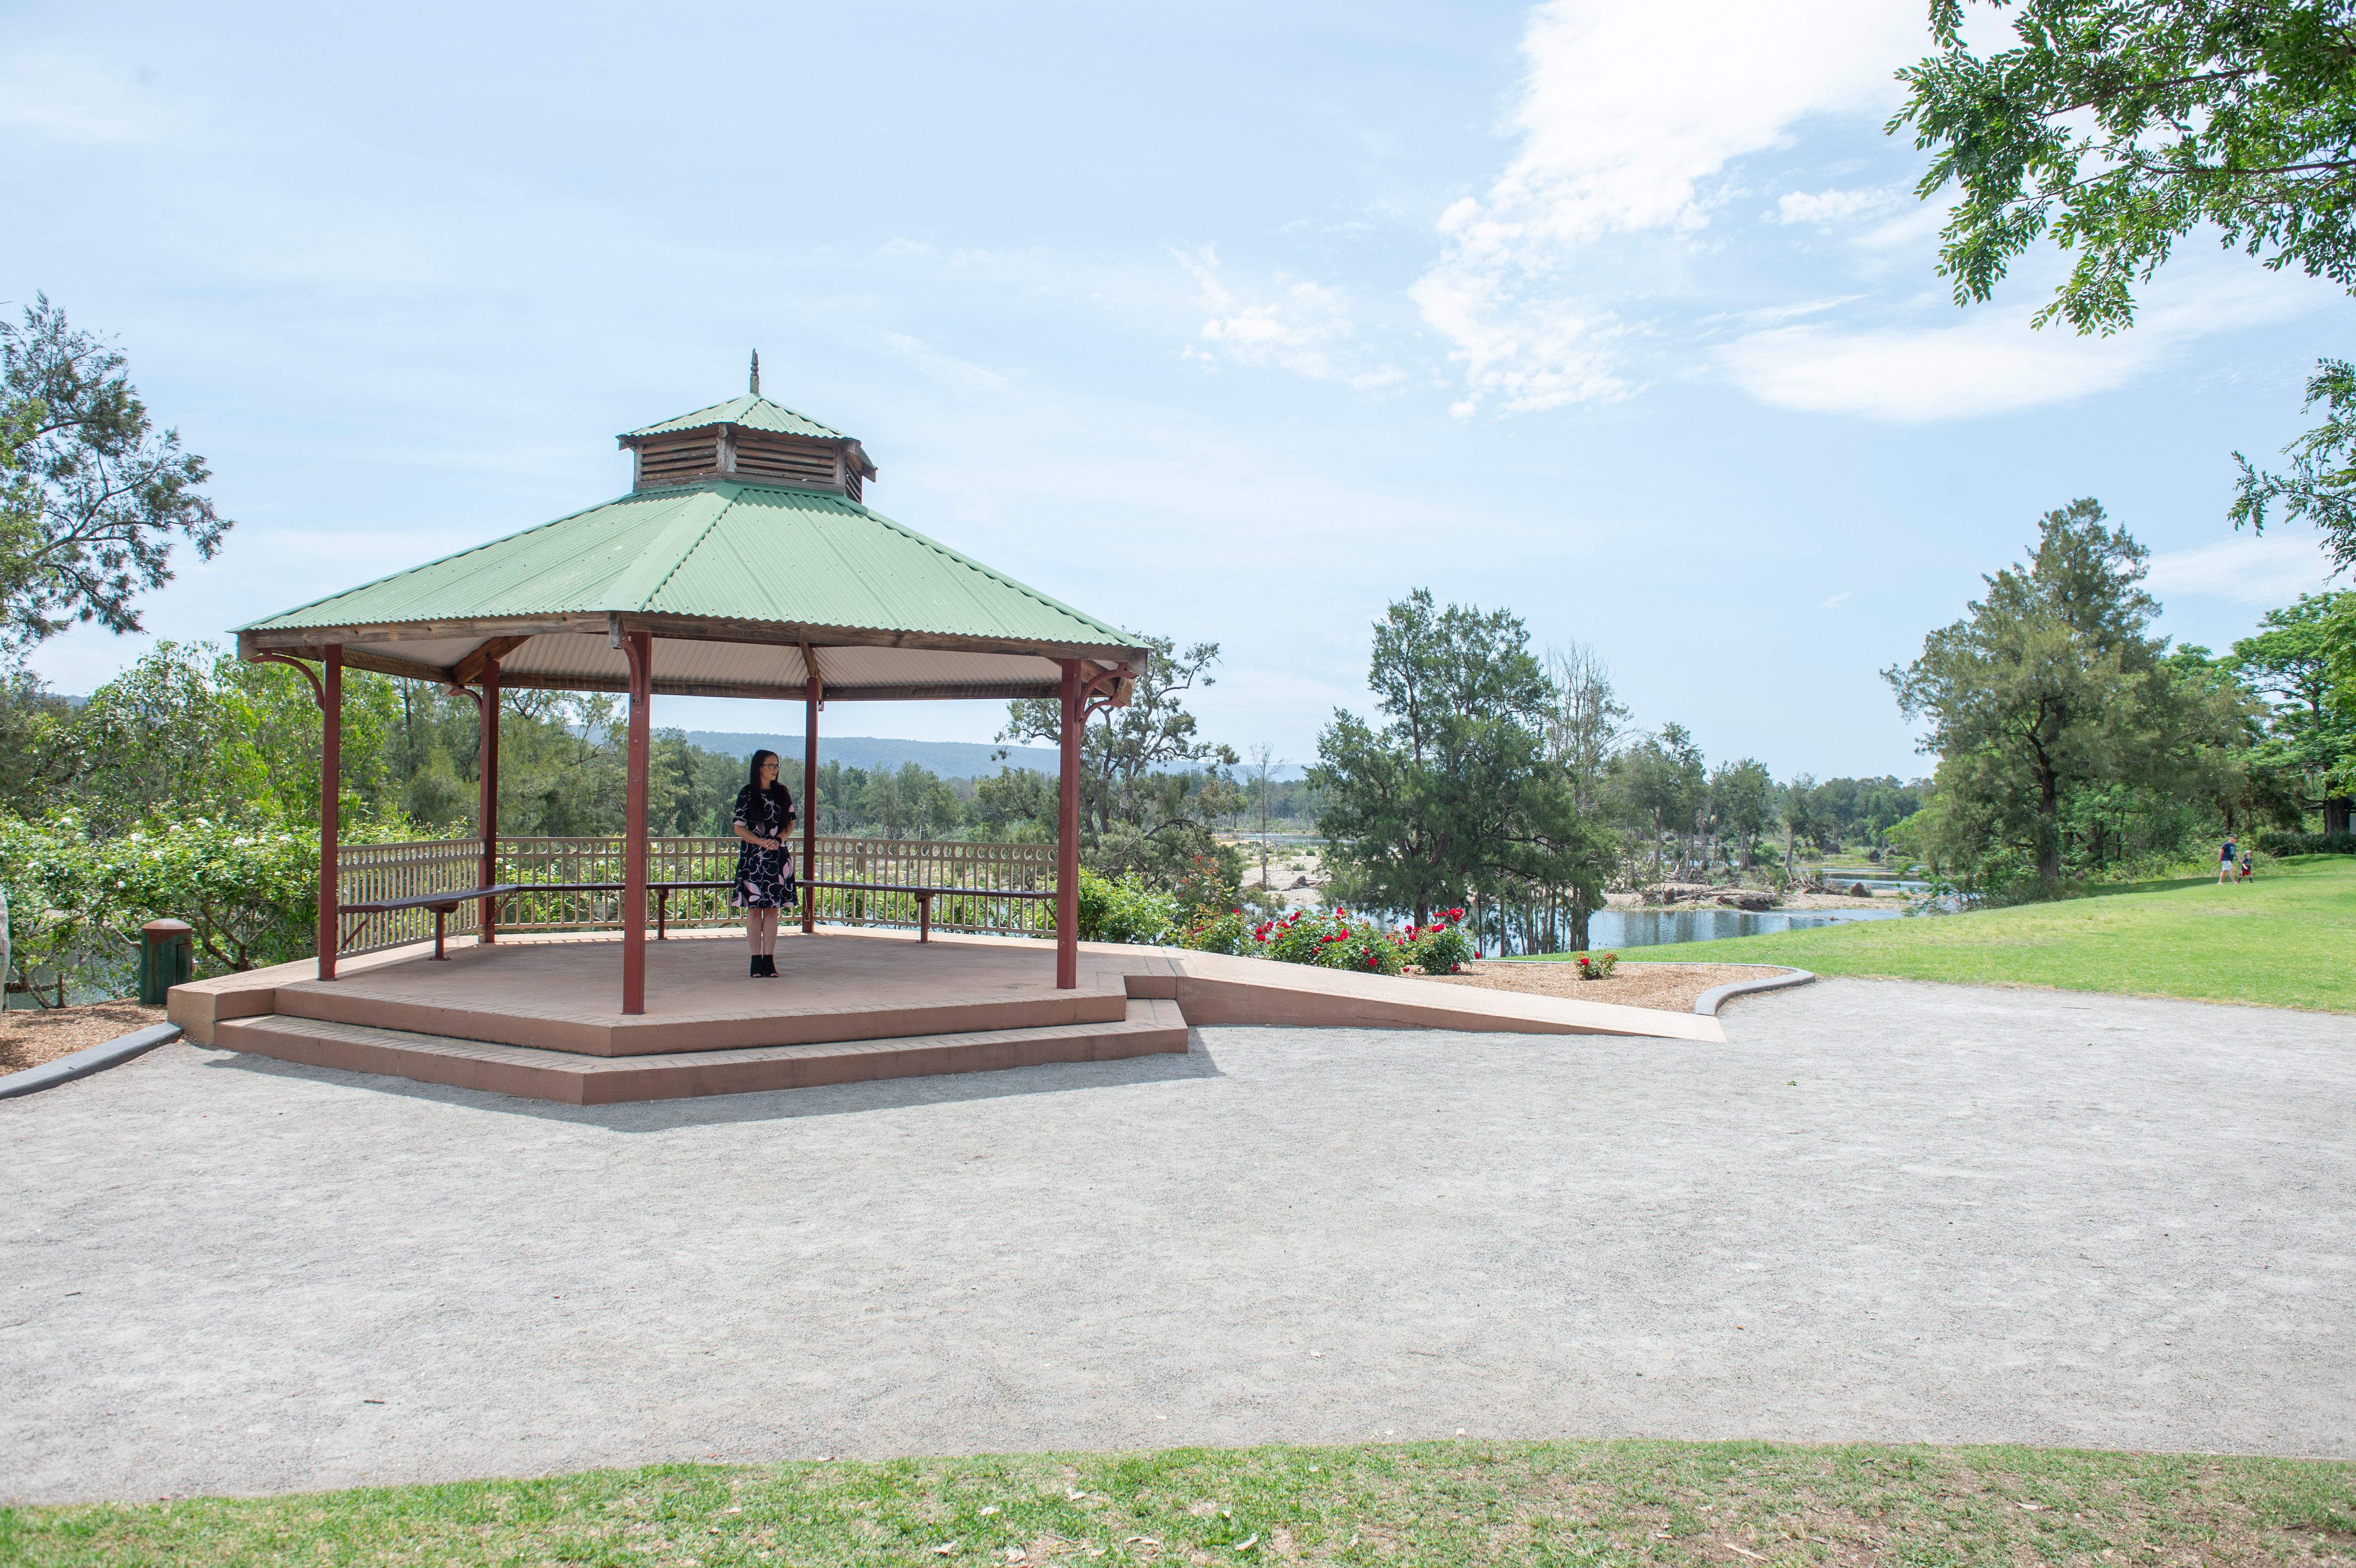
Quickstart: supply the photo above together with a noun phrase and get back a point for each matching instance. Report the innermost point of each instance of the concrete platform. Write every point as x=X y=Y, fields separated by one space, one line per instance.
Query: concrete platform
x=539 y=1017
x=1148 y=1028
x=830 y=986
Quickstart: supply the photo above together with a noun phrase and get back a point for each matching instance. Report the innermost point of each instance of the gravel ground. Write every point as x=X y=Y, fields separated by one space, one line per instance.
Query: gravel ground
x=1888 y=1211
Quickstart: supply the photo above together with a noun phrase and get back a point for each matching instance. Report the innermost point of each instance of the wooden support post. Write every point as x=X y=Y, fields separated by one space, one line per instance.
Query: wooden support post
x=811 y=693
x=331 y=802
x=487 y=920
x=639 y=647
x=1068 y=838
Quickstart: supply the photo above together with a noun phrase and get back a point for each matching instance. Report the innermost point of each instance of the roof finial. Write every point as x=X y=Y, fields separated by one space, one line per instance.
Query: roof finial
x=755 y=388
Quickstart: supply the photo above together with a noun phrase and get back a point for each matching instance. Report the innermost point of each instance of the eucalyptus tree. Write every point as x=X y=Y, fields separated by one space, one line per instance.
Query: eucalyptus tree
x=1455 y=795
x=2052 y=682
x=1142 y=806
x=92 y=497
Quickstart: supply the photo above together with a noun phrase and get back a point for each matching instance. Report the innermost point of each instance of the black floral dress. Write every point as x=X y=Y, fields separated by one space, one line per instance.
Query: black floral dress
x=764 y=878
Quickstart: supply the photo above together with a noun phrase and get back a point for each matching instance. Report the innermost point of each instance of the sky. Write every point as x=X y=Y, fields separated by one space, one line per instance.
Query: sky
x=1225 y=323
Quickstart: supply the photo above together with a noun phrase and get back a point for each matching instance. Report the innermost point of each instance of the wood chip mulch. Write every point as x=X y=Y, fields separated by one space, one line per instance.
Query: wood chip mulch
x=32 y=1036
x=1672 y=987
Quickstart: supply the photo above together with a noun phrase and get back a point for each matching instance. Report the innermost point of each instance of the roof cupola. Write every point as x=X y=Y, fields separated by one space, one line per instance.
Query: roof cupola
x=747 y=438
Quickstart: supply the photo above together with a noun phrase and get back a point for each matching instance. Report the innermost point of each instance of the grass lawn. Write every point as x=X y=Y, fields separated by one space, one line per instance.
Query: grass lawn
x=2282 y=941
x=1461 y=1502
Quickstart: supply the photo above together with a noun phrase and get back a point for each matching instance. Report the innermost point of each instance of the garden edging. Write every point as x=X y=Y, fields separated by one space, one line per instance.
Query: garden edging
x=1710 y=1001
x=82 y=1063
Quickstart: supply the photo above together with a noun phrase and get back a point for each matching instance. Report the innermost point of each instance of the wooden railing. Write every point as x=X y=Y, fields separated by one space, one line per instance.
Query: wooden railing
x=374 y=873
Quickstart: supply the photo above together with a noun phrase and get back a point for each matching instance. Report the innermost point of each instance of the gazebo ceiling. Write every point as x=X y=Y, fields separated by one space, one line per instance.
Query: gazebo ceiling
x=743 y=582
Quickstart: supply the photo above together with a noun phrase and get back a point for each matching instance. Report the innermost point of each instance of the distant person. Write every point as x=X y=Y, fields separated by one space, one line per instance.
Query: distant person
x=2226 y=863
x=2245 y=865
x=764 y=868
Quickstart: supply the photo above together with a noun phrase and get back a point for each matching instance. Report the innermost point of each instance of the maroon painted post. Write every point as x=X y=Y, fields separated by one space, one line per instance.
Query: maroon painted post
x=808 y=868
x=486 y=921
x=331 y=791
x=1068 y=838
x=639 y=648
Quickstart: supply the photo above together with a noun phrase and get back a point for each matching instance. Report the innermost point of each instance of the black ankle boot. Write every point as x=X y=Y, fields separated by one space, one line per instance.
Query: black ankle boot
x=756 y=971
x=768 y=967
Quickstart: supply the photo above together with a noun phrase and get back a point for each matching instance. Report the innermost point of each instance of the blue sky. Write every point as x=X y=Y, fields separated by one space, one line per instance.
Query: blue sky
x=1221 y=322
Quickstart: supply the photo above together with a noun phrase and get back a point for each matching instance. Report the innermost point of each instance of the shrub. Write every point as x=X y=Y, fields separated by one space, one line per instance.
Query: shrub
x=1438 y=948
x=1330 y=939
x=1124 y=910
x=1591 y=967
x=1216 y=931
x=2308 y=843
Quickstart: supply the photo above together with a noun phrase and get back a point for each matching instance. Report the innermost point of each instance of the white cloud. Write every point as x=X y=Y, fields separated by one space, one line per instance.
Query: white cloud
x=1832 y=205
x=1992 y=361
x=1834 y=602
x=1625 y=112
x=942 y=368
x=1294 y=324
x=2248 y=569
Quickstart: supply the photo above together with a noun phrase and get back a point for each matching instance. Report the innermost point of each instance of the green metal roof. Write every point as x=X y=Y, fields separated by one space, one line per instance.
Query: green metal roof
x=725 y=548
x=752 y=411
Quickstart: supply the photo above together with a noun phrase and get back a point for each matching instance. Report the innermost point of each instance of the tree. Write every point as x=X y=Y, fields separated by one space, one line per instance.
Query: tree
x=1140 y=811
x=1742 y=798
x=2048 y=684
x=96 y=497
x=1455 y=795
x=2116 y=127
x=2290 y=662
x=1662 y=779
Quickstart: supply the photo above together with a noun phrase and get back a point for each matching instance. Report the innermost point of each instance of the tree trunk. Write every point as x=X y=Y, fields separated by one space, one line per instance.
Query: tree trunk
x=2049 y=833
x=2335 y=814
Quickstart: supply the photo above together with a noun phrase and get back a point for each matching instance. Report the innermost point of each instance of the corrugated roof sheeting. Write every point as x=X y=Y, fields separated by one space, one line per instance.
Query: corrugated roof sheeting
x=725 y=549
x=848 y=667
x=752 y=411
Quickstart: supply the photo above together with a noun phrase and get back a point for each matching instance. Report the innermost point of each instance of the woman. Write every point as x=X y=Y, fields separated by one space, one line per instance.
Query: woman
x=765 y=871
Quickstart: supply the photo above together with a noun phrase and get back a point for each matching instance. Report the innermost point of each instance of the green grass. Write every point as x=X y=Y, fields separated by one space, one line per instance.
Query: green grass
x=2283 y=940
x=1587 y=1504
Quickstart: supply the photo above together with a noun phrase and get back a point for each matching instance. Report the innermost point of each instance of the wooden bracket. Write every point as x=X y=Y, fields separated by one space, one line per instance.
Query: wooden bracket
x=1092 y=705
x=809 y=666
x=469 y=670
x=318 y=692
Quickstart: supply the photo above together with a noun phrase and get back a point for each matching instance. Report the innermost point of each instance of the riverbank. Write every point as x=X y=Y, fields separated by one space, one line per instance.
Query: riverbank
x=2280 y=940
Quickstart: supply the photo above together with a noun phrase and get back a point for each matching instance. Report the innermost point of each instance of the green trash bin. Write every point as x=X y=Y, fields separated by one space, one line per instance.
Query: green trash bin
x=168 y=957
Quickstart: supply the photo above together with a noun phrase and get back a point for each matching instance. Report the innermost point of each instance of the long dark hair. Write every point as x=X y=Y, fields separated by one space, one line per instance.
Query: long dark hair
x=777 y=792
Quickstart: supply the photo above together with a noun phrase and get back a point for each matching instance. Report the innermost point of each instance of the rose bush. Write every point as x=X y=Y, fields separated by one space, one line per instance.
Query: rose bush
x=1591 y=967
x=1331 y=939
x=1216 y=931
x=1439 y=948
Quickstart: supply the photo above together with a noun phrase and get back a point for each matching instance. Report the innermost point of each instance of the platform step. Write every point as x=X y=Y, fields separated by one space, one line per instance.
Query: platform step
x=1152 y=1026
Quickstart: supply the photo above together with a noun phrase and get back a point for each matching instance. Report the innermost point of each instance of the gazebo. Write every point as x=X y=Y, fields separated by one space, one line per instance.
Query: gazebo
x=744 y=562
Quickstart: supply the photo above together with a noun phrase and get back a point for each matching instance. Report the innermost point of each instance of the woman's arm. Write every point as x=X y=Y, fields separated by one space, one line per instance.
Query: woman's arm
x=745 y=804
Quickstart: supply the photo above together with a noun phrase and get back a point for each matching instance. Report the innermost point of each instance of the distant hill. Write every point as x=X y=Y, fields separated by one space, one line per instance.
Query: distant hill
x=949 y=759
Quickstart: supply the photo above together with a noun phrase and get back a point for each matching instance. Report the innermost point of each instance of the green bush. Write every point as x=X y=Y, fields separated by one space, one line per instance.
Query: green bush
x=1439 y=948
x=2308 y=843
x=75 y=902
x=1331 y=939
x=1127 y=910
x=1216 y=931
